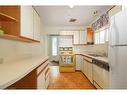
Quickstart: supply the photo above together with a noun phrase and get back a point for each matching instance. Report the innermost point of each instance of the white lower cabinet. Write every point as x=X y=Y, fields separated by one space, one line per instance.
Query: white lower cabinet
x=43 y=76
x=98 y=76
x=81 y=65
x=79 y=62
x=41 y=81
x=85 y=67
x=88 y=70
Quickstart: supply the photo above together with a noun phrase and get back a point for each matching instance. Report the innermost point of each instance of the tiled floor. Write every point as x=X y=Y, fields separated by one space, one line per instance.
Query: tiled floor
x=68 y=80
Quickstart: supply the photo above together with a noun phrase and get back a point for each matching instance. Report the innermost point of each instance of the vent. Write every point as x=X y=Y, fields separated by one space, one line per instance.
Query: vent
x=72 y=20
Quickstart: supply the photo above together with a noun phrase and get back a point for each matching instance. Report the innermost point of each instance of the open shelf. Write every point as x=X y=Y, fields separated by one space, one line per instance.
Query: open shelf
x=11 y=37
x=4 y=17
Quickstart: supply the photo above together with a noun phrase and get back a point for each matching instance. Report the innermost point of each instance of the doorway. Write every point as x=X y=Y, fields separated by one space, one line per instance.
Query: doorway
x=53 y=43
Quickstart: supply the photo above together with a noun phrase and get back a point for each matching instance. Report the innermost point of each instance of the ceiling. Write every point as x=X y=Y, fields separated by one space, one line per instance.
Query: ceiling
x=60 y=15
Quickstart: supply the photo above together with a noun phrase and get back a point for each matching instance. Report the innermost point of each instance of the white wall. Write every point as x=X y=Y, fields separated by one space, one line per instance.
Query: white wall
x=13 y=50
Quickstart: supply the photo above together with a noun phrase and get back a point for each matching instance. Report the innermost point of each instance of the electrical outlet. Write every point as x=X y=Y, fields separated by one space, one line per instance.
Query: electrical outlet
x=1 y=60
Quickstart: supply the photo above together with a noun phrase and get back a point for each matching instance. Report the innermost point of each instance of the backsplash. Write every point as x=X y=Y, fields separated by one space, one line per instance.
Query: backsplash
x=11 y=50
x=98 y=49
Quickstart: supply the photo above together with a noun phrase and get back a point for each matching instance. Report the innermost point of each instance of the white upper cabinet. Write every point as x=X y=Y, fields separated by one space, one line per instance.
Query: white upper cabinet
x=26 y=22
x=76 y=37
x=83 y=37
x=66 y=33
x=36 y=28
x=80 y=37
x=30 y=23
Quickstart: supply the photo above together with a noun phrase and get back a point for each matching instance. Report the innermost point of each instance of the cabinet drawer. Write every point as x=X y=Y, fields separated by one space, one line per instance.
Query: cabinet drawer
x=47 y=81
x=47 y=73
x=42 y=67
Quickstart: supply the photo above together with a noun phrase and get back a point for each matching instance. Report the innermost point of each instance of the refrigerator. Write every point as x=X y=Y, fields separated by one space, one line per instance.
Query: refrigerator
x=118 y=50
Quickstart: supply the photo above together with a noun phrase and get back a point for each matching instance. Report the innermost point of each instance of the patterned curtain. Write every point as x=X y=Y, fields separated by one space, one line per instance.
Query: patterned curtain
x=101 y=22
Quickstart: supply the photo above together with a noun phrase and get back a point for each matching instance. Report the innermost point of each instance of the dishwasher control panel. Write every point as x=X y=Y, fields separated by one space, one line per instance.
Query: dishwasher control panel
x=101 y=64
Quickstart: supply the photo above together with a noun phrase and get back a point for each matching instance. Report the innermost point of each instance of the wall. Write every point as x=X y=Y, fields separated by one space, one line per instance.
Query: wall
x=11 y=50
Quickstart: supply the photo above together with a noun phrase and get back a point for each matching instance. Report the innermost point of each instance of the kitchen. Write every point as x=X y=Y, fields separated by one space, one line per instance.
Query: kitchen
x=78 y=39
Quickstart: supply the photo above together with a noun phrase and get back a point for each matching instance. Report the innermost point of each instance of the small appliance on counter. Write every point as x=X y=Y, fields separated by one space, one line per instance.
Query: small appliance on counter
x=66 y=59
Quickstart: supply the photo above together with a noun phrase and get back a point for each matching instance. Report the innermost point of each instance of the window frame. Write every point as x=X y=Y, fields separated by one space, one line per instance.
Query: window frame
x=106 y=35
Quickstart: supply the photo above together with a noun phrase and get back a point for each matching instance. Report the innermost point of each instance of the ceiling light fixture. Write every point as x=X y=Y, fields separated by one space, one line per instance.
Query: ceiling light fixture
x=71 y=6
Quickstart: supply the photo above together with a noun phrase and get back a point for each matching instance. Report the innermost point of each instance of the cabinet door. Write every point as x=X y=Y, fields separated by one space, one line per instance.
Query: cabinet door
x=78 y=62
x=83 y=37
x=90 y=35
x=36 y=26
x=66 y=33
x=89 y=65
x=70 y=33
x=85 y=68
x=41 y=81
x=27 y=22
x=76 y=37
x=62 y=32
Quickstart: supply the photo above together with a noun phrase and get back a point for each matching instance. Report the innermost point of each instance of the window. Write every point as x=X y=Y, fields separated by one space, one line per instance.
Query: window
x=54 y=46
x=97 y=34
x=107 y=33
x=101 y=36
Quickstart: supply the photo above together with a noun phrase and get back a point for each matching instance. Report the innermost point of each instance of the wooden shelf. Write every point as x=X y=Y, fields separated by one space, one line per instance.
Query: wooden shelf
x=4 y=17
x=11 y=37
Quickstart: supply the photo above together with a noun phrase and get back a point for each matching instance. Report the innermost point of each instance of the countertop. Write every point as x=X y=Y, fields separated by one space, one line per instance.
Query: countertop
x=104 y=59
x=13 y=71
